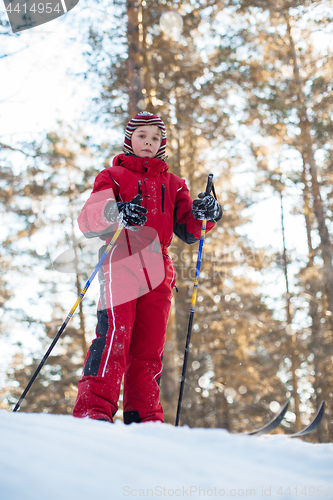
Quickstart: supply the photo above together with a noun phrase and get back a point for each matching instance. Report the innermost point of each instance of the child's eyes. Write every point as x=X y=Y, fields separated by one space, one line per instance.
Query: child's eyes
x=142 y=136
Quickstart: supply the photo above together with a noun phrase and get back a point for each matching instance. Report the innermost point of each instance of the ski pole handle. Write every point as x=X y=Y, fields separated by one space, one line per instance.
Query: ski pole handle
x=209 y=186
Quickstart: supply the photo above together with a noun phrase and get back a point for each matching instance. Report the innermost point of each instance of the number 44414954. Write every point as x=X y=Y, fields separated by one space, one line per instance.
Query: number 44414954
x=311 y=491
x=41 y=8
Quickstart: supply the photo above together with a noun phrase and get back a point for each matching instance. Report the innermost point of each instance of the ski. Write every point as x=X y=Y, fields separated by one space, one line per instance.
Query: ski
x=313 y=424
x=273 y=424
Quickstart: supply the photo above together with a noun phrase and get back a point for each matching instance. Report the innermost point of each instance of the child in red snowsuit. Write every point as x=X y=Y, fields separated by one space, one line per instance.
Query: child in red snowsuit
x=138 y=276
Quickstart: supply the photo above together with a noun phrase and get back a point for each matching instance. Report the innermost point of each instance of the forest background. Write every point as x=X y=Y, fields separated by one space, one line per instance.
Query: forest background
x=246 y=92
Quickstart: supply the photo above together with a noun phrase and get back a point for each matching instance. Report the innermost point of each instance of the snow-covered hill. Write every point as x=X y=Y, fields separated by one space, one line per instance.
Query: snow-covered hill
x=51 y=457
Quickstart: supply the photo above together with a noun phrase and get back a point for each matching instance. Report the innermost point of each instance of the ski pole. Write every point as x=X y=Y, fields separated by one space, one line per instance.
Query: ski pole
x=194 y=298
x=70 y=314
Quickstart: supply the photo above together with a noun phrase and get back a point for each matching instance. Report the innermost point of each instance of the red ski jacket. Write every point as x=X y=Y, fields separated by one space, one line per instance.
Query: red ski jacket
x=166 y=197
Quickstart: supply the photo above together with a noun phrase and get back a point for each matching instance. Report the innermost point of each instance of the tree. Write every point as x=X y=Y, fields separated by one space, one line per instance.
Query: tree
x=52 y=185
x=284 y=80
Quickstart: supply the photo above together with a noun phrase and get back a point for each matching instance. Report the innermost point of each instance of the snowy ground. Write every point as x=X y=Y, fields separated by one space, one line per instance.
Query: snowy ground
x=51 y=457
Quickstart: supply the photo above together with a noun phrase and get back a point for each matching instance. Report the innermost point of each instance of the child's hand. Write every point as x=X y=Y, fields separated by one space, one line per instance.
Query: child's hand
x=206 y=208
x=128 y=214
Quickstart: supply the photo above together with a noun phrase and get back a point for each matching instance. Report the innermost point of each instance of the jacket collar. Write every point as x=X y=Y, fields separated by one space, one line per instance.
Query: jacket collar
x=151 y=166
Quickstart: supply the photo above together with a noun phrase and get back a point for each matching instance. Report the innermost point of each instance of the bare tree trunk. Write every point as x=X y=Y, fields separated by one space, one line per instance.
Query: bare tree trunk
x=293 y=338
x=307 y=151
x=311 y=290
x=146 y=79
x=135 y=55
x=223 y=415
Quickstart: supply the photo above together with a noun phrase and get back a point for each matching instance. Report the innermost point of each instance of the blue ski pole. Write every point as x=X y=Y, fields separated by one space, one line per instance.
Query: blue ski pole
x=194 y=298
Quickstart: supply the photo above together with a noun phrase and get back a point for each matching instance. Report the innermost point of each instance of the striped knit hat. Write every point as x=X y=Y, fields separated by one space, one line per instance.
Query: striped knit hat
x=144 y=118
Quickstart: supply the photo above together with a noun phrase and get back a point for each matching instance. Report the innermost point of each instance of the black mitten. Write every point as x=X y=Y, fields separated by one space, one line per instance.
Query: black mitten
x=127 y=214
x=206 y=208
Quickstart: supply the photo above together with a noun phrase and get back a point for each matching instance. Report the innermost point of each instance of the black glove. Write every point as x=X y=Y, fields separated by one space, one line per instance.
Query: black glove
x=128 y=214
x=206 y=208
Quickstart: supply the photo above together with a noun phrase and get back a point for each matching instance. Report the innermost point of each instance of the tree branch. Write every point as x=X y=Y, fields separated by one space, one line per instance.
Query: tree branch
x=6 y=146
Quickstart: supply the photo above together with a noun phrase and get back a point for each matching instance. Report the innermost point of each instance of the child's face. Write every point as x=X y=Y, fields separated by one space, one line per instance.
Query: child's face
x=146 y=141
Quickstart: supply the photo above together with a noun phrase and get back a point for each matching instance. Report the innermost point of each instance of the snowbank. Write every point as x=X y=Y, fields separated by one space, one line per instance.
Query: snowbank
x=55 y=457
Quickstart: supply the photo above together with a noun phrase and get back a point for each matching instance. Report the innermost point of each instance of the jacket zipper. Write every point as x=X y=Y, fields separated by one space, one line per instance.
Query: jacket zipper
x=163 y=191
x=139 y=188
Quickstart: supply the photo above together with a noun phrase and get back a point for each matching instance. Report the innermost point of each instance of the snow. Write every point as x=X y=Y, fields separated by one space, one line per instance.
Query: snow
x=58 y=457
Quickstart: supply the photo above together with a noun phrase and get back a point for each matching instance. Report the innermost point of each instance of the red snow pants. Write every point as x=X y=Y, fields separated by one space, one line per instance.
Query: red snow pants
x=129 y=342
